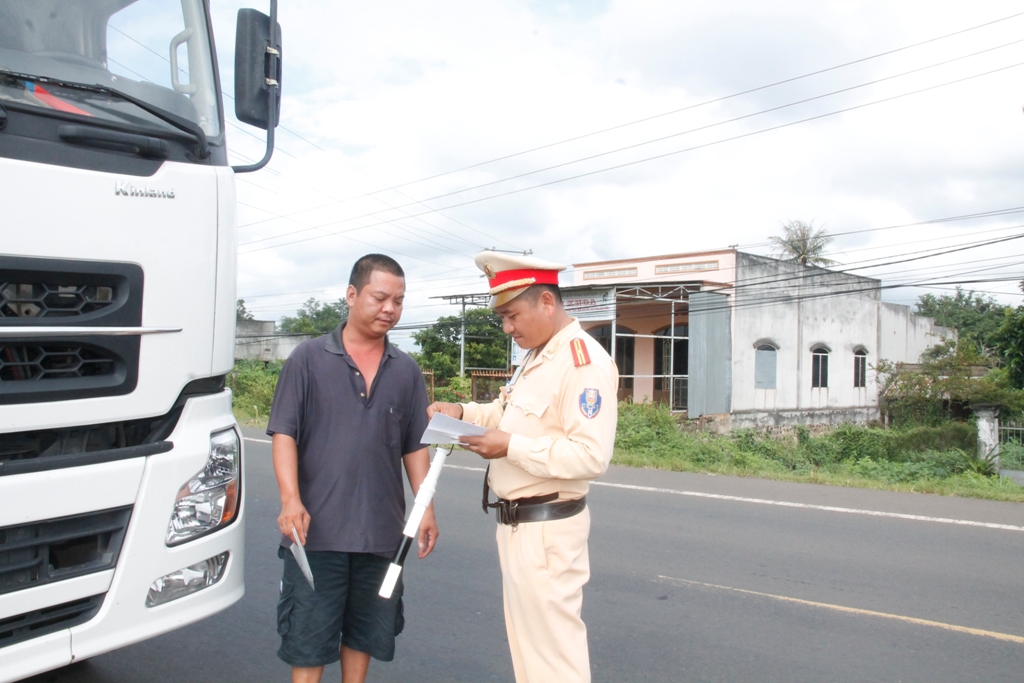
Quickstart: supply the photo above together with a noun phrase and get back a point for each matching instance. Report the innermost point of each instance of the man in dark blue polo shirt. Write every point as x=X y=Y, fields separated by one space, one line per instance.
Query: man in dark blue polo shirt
x=348 y=412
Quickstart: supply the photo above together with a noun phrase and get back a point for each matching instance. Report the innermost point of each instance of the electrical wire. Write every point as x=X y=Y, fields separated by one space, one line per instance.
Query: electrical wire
x=700 y=104
x=637 y=161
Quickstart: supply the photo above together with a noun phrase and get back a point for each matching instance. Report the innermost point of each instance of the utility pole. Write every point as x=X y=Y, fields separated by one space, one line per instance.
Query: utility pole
x=462 y=343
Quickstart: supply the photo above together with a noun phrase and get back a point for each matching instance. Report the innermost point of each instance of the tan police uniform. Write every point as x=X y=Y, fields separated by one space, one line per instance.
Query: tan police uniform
x=561 y=413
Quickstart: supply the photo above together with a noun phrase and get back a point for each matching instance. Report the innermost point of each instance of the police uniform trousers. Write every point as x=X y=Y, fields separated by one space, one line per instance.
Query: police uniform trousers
x=544 y=566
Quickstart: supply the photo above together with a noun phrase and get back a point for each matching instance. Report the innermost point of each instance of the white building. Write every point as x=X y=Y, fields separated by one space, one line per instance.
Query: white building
x=260 y=340
x=745 y=340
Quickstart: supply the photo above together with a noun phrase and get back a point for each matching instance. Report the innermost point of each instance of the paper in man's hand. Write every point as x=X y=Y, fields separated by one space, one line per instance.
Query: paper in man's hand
x=300 y=558
x=443 y=429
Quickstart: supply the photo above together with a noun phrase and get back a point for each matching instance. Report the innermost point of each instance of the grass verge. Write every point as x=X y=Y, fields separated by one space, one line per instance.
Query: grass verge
x=923 y=460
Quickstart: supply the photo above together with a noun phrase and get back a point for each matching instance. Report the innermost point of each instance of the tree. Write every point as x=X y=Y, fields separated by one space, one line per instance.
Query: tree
x=975 y=317
x=803 y=243
x=241 y=312
x=486 y=343
x=949 y=379
x=316 y=318
x=1009 y=342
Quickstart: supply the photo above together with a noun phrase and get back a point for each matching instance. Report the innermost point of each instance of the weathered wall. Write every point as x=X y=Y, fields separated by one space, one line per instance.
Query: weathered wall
x=903 y=336
x=777 y=419
x=797 y=308
x=259 y=340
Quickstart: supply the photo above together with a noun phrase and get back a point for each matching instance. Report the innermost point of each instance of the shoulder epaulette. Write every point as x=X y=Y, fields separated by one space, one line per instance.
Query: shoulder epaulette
x=579 y=352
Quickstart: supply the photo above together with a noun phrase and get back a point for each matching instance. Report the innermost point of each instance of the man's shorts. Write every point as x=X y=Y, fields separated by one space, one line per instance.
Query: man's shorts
x=344 y=610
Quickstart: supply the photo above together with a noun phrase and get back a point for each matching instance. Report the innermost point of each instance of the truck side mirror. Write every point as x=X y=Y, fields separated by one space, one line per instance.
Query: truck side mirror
x=258 y=75
x=256 y=69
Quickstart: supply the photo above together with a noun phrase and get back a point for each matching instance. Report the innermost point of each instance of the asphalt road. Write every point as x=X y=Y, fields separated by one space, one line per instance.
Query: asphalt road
x=704 y=580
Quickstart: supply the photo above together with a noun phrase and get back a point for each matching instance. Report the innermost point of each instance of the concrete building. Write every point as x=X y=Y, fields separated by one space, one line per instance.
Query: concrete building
x=260 y=340
x=746 y=341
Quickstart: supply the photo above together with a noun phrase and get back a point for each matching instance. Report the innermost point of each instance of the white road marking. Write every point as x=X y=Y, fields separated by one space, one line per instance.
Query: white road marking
x=249 y=438
x=1009 y=637
x=790 y=504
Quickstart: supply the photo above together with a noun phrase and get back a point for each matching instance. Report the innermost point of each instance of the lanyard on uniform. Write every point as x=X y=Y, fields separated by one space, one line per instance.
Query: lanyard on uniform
x=508 y=391
x=515 y=376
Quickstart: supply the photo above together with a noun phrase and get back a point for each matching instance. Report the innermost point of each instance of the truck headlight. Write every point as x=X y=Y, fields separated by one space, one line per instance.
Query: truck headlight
x=210 y=499
x=187 y=581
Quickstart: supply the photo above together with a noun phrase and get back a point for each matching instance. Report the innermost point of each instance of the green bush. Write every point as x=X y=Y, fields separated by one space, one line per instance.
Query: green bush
x=252 y=384
x=458 y=390
x=1011 y=456
x=648 y=435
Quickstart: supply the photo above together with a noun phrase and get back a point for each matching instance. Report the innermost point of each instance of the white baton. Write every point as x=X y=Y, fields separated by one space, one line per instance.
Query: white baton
x=412 y=526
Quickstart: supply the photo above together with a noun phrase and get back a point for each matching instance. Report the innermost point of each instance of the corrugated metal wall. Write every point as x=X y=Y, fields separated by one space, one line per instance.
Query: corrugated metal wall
x=710 y=355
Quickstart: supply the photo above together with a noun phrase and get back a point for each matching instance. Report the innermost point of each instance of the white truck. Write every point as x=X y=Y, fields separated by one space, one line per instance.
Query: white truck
x=121 y=507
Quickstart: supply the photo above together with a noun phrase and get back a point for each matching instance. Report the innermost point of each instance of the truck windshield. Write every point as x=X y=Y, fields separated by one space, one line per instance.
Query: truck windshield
x=156 y=51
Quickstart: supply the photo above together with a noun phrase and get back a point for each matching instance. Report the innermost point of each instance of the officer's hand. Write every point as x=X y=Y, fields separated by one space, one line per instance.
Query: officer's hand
x=491 y=444
x=449 y=409
x=294 y=513
x=428 y=533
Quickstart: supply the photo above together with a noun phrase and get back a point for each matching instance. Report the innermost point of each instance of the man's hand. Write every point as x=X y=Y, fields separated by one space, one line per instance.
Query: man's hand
x=294 y=513
x=449 y=409
x=428 y=532
x=491 y=444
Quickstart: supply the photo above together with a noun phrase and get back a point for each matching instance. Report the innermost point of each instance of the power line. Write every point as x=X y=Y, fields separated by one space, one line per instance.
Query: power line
x=694 y=106
x=644 y=160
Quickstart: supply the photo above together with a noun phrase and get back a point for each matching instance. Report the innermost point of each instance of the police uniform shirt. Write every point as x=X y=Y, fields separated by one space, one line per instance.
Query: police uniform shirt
x=561 y=413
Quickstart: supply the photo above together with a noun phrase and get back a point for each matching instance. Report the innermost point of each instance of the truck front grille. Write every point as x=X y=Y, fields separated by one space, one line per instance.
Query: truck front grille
x=39 y=622
x=42 y=361
x=51 y=300
x=57 y=549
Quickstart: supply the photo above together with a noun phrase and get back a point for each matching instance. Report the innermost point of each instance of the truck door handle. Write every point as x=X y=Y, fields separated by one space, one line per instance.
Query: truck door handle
x=143 y=145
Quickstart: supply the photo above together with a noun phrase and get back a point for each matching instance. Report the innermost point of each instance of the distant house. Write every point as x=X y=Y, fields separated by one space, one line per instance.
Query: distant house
x=260 y=340
x=746 y=340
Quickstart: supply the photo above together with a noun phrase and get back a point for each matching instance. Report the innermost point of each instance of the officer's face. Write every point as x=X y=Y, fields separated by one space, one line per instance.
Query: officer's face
x=377 y=307
x=531 y=323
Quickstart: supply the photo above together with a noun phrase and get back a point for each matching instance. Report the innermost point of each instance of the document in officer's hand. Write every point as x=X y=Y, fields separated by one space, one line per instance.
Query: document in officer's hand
x=443 y=429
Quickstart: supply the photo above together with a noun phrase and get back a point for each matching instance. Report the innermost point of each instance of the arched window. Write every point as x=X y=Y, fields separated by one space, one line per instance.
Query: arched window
x=765 y=358
x=860 y=369
x=624 y=349
x=819 y=367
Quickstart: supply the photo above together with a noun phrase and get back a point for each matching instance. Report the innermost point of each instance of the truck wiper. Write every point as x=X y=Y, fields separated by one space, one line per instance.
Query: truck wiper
x=179 y=122
x=3 y=117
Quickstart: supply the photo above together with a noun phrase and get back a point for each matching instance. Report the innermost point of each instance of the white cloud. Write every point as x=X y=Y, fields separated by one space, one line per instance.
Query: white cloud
x=400 y=91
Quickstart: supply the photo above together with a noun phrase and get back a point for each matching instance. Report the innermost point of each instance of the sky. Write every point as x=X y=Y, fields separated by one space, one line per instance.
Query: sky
x=430 y=131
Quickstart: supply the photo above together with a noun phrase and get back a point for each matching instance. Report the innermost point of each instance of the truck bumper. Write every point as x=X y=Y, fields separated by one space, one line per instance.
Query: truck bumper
x=151 y=484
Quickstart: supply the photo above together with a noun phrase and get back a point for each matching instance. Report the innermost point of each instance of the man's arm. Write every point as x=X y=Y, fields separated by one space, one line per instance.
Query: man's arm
x=417 y=464
x=286 y=469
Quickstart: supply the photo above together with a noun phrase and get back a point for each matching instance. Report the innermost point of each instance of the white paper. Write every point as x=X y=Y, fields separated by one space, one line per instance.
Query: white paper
x=447 y=430
x=300 y=558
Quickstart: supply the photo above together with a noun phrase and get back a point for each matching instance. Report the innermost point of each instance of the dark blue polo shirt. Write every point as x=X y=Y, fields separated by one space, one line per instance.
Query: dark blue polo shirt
x=350 y=444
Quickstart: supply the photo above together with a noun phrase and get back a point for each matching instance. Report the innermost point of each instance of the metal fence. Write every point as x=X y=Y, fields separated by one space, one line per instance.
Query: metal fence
x=1011 y=446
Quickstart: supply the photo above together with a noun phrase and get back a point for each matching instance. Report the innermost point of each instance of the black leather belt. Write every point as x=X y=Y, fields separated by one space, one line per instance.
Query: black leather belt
x=516 y=512
x=535 y=509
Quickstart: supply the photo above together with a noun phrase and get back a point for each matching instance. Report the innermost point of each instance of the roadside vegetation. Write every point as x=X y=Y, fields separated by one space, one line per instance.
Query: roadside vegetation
x=925 y=459
x=928 y=444
x=938 y=458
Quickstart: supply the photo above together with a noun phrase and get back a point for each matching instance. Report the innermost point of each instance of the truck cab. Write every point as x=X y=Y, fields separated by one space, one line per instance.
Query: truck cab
x=121 y=477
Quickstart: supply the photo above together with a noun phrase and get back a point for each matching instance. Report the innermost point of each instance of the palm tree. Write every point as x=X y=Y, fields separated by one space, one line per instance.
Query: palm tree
x=803 y=243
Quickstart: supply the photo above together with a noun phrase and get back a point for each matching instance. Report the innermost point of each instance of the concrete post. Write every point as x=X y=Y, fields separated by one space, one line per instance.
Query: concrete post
x=987 y=417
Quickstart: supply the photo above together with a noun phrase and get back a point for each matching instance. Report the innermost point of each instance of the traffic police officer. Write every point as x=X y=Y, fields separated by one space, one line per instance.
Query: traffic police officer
x=549 y=433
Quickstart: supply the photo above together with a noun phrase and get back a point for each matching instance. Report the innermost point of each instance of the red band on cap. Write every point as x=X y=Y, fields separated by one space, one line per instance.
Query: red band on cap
x=540 y=277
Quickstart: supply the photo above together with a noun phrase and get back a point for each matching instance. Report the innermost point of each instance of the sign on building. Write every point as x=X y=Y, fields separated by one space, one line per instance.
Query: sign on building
x=590 y=304
x=518 y=354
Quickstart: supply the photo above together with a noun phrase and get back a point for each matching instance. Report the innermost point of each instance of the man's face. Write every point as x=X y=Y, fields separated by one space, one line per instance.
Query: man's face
x=529 y=322
x=377 y=307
